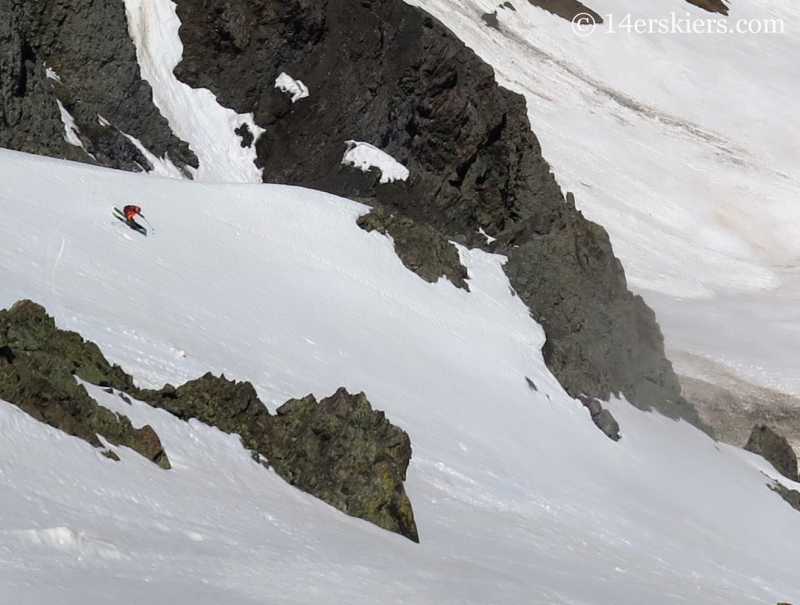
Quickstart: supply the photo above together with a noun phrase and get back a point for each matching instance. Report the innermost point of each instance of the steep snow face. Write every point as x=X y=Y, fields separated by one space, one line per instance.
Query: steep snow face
x=193 y=114
x=683 y=146
x=518 y=497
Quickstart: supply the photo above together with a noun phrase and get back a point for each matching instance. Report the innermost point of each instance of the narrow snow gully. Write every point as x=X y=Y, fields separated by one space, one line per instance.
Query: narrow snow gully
x=193 y=114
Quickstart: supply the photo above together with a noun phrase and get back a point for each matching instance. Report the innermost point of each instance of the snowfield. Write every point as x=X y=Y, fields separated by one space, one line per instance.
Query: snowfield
x=518 y=497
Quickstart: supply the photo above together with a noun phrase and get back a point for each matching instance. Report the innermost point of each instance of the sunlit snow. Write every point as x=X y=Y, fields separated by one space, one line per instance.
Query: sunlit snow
x=286 y=83
x=365 y=156
x=518 y=497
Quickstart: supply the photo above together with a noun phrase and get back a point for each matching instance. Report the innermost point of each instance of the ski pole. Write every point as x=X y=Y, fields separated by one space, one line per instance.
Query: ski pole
x=148 y=223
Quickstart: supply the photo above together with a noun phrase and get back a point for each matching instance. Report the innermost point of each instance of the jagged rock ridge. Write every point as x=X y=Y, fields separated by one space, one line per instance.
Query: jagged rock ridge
x=38 y=363
x=338 y=449
x=389 y=74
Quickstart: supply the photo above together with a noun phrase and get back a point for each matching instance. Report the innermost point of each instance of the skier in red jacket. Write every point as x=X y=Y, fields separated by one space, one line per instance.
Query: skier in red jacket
x=132 y=211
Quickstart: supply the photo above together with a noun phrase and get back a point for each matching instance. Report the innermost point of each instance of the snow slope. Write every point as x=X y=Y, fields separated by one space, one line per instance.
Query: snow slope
x=684 y=146
x=518 y=497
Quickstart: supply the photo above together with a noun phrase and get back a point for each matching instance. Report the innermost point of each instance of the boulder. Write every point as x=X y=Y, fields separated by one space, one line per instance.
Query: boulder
x=775 y=449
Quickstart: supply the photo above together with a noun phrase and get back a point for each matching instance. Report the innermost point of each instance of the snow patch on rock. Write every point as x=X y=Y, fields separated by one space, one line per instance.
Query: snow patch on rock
x=290 y=86
x=50 y=73
x=71 y=130
x=365 y=156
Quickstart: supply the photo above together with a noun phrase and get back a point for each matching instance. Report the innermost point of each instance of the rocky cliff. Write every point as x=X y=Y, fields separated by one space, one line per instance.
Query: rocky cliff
x=389 y=74
x=78 y=53
x=381 y=72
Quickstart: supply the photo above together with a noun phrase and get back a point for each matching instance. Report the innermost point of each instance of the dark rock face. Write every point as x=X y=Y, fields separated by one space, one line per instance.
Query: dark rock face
x=566 y=9
x=712 y=6
x=388 y=74
x=422 y=248
x=339 y=449
x=86 y=43
x=37 y=367
x=775 y=449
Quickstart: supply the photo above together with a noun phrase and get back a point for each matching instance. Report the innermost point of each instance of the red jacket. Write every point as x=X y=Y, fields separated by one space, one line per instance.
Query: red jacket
x=131 y=211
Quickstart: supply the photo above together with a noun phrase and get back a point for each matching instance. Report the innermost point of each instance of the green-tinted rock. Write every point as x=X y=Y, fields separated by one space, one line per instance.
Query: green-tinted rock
x=775 y=449
x=423 y=249
x=339 y=450
x=347 y=454
x=37 y=367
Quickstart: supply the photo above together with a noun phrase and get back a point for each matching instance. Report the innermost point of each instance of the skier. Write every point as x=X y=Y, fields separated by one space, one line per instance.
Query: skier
x=127 y=215
x=132 y=211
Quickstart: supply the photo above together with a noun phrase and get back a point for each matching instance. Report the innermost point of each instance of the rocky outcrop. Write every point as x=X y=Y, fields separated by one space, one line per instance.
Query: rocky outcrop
x=567 y=9
x=712 y=6
x=94 y=74
x=775 y=449
x=38 y=364
x=602 y=418
x=338 y=449
x=422 y=248
x=389 y=74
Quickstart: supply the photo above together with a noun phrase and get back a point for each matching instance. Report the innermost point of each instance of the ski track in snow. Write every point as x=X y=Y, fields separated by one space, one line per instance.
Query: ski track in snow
x=518 y=497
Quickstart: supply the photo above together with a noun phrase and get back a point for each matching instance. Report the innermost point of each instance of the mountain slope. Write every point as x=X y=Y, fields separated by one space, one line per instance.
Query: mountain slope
x=518 y=497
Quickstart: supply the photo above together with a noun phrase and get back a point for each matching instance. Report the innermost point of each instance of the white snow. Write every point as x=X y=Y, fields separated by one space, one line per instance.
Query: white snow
x=49 y=72
x=518 y=497
x=289 y=85
x=365 y=156
x=489 y=238
x=684 y=147
x=161 y=166
x=71 y=131
x=193 y=114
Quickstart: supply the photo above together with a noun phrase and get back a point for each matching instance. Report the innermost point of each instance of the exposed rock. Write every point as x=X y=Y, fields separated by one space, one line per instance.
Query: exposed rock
x=509 y=6
x=775 y=449
x=339 y=450
x=566 y=9
x=712 y=6
x=422 y=248
x=86 y=44
x=490 y=19
x=791 y=496
x=602 y=418
x=389 y=74
x=37 y=367
x=111 y=454
x=347 y=454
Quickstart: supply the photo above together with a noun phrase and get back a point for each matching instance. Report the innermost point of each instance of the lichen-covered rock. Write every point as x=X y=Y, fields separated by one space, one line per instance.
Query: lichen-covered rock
x=339 y=449
x=38 y=364
x=422 y=248
x=347 y=454
x=775 y=449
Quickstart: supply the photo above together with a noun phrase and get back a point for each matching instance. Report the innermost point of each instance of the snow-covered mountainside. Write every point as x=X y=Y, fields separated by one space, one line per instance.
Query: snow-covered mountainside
x=684 y=146
x=518 y=497
x=471 y=304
